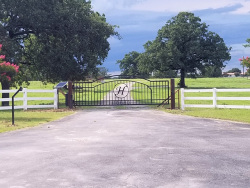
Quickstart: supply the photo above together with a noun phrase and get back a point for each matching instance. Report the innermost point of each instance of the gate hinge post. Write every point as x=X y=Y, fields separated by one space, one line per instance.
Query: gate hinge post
x=172 y=85
x=70 y=94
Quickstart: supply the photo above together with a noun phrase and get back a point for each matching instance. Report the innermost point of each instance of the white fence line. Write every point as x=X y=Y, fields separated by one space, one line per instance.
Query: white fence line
x=214 y=98
x=25 y=99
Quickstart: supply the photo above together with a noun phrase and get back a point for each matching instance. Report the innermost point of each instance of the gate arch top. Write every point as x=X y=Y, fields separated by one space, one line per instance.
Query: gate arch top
x=120 y=92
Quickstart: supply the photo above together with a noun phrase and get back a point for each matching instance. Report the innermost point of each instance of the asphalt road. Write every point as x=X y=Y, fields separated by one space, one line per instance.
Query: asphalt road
x=127 y=148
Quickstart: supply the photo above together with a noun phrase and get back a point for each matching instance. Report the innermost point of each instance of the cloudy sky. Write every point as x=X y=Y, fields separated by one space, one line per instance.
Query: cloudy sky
x=139 y=21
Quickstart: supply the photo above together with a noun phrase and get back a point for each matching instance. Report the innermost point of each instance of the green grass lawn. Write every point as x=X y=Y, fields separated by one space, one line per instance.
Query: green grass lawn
x=240 y=115
x=29 y=118
x=224 y=82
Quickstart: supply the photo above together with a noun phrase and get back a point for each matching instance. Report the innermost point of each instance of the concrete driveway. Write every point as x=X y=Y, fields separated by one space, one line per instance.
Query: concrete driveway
x=110 y=148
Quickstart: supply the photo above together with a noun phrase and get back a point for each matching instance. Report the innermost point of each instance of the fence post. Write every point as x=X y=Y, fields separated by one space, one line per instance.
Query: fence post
x=182 y=99
x=25 y=100
x=55 y=99
x=214 y=98
x=172 y=94
x=13 y=105
x=70 y=94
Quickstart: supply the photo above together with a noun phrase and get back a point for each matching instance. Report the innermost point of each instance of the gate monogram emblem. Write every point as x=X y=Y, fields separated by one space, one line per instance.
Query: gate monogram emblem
x=121 y=91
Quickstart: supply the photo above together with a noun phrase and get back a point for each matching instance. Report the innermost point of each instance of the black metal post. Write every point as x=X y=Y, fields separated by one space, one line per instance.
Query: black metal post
x=70 y=93
x=172 y=94
x=20 y=89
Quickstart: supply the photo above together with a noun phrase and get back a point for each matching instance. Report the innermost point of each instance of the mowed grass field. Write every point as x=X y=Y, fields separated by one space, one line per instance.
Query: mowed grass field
x=240 y=115
x=30 y=118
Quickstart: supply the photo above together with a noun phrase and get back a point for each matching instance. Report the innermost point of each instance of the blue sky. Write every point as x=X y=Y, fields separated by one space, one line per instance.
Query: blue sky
x=140 y=20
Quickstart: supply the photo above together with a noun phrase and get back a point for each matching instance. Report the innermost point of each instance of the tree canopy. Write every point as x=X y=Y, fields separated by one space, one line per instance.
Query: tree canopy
x=129 y=64
x=211 y=71
x=57 y=39
x=184 y=44
x=247 y=45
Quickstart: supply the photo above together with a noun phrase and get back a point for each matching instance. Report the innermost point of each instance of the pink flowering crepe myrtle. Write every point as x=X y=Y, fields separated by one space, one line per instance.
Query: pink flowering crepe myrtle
x=245 y=62
x=7 y=70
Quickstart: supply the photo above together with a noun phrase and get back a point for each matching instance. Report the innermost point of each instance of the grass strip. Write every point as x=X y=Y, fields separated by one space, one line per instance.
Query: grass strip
x=239 y=115
x=30 y=118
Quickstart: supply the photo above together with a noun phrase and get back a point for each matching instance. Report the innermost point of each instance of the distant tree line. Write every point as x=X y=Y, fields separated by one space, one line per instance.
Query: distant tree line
x=235 y=71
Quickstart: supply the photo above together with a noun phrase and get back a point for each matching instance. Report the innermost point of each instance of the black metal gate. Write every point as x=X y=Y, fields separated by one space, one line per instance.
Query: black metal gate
x=112 y=92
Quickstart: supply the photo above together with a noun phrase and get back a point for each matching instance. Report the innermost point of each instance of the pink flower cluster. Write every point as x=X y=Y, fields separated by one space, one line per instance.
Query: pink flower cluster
x=6 y=67
x=247 y=58
x=8 y=77
x=9 y=64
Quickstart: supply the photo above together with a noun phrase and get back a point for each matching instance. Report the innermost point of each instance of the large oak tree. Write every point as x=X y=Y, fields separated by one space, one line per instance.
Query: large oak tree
x=57 y=39
x=184 y=44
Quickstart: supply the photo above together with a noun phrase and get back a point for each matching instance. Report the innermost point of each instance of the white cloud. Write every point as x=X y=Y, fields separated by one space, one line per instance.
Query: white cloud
x=115 y=42
x=114 y=73
x=245 y=9
x=109 y=5
x=239 y=50
x=168 y=5
x=183 y=5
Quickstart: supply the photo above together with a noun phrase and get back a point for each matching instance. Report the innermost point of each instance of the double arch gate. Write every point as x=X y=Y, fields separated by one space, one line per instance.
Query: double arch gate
x=113 y=92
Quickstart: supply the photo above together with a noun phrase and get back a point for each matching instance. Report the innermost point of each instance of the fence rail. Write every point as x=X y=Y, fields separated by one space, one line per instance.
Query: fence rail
x=214 y=98
x=25 y=99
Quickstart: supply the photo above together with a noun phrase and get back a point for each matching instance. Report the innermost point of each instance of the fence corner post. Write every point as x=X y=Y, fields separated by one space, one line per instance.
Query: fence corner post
x=172 y=94
x=182 y=99
x=70 y=94
x=214 y=98
x=55 y=99
x=25 y=100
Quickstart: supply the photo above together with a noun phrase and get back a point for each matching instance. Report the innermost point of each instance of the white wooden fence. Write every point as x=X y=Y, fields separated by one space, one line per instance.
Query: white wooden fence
x=214 y=98
x=25 y=99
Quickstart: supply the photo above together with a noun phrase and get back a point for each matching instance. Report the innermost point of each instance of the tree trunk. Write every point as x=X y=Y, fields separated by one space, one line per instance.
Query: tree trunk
x=182 y=81
x=5 y=86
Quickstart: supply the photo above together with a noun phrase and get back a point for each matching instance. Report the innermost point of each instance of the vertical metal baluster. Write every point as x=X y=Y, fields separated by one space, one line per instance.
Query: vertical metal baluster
x=101 y=94
x=109 y=92
x=150 y=93
x=145 y=94
x=162 y=97
x=94 y=88
x=83 y=86
x=138 y=100
x=163 y=93
x=168 y=92
x=91 y=94
x=78 y=93
x=75 y=92
x=87 y=93
x=153 y=91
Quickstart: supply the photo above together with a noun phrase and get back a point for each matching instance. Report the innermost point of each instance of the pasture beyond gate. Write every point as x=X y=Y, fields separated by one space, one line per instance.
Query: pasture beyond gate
x=113 y=92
